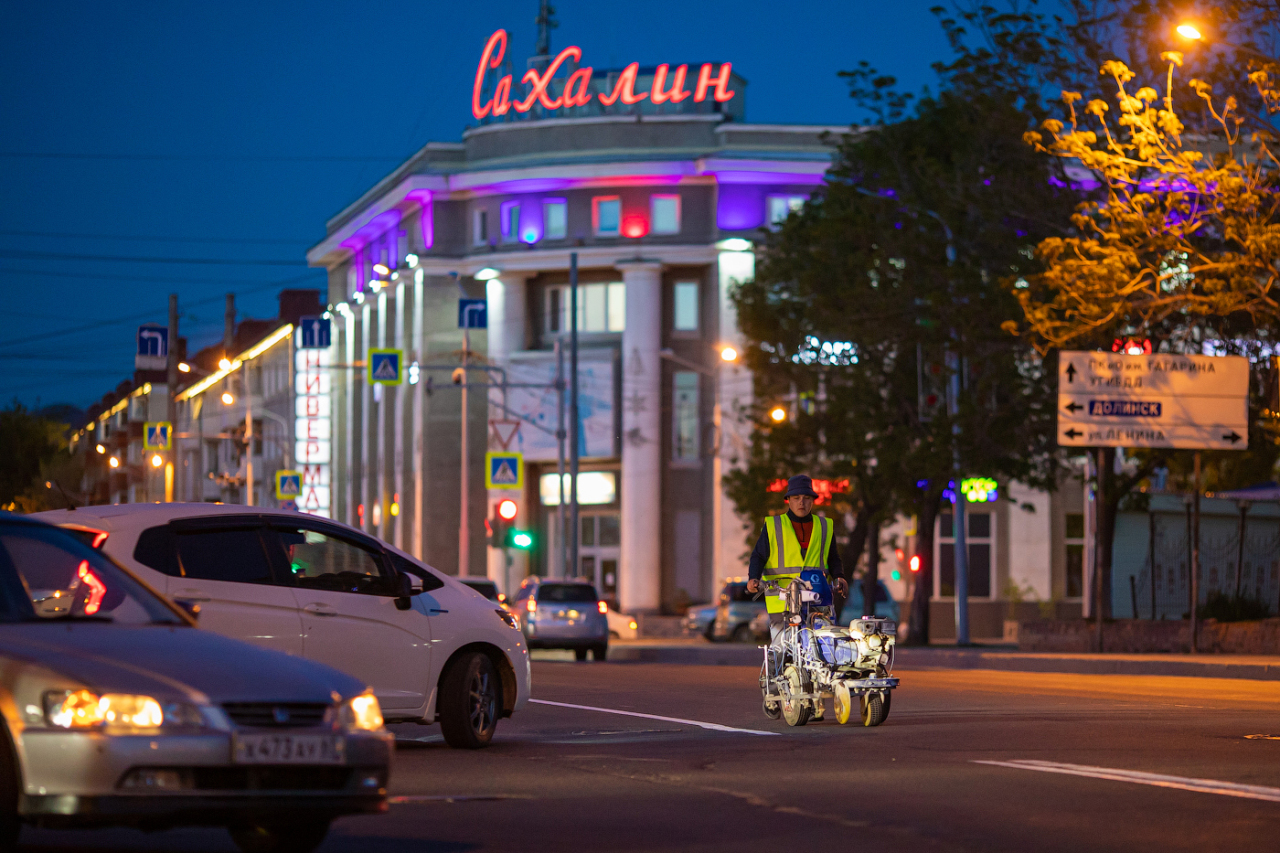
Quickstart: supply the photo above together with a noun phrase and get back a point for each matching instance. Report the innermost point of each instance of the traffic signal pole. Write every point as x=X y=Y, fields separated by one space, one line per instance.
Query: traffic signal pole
x=464 y=540
x=171 y=410
x=573 y=415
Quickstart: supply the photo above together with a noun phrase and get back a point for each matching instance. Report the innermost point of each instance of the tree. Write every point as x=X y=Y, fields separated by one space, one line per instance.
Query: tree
x=898 y=262
x=32 y=445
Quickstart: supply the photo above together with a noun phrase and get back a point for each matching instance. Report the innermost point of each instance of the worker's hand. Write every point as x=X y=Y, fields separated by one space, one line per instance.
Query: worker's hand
x=753 y=585
x=842 y=587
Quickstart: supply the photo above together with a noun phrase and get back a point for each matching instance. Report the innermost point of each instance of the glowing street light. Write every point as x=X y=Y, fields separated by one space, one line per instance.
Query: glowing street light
x=114 y=462
x=778 y=414
x=157 y=461
x=184 y=367
x=487 y=274
x=728 y=354
x=100 y=449
x=1189 y=31
x=381 y=269
x=228 y=398
x=224 y=364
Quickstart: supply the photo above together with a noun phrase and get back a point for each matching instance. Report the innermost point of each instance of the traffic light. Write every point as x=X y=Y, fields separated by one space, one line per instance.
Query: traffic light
x=521 y=539
x=500 y=525
x=915 y=562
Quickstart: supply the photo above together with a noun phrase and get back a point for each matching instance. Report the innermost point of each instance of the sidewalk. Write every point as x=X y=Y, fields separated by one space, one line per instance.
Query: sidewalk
x=697 y=651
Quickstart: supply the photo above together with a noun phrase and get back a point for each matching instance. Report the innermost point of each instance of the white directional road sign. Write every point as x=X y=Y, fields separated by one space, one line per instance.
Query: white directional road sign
x=153 y=348
x=1191 y=402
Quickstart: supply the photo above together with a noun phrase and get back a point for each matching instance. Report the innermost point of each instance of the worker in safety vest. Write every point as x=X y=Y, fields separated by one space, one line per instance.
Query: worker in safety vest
x=792 y=542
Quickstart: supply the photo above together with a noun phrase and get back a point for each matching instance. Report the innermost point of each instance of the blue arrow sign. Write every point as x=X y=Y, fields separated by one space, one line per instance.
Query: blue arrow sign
x=316 y=333
x=153 y=340
x=473 y=314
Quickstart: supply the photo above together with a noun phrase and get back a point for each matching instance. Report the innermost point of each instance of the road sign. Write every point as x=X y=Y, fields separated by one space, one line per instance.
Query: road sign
x=153 y=348
x=473 y=314
x=503 y=431
x=316 y=333
x=288 y=484
x=1190 y=402
x=157 y=435
x=385 y=366
x=504 y=470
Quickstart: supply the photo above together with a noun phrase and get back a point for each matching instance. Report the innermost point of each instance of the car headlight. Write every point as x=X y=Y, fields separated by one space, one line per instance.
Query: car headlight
x=84 y=709
x=507 y=617
x=361 y=713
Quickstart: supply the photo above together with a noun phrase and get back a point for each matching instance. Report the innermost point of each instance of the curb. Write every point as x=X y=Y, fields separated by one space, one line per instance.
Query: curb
x=730 y=654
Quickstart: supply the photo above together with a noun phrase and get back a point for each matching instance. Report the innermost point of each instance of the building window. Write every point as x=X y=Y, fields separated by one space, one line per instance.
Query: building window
x=782 y=206
x=601 y=308
x=510 y=216
x=1075 y=555
x=555 y=218
x=664 y=214
x=481 y=227
x=606 y=216
x=981 y=559
x=684 y=411
x=686 y=307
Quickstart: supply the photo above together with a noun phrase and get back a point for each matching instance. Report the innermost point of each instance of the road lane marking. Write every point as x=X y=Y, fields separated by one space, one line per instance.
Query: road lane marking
x=452 y=798
x=1159 y=780
x=715 y=727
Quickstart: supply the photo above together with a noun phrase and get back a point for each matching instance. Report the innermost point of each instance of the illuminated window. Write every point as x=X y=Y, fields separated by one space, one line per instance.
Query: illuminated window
x=686 y=306
x=684 y=411
x=664 y=214
x=606 y=216
x=510 y=215
x=555 y=217
x=782 y=206
x=981 y=542
x=601 y=308
x=480 y=229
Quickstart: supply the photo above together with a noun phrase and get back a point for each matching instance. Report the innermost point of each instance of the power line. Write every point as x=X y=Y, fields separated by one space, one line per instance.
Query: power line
x=156 y=239
x=64 y=256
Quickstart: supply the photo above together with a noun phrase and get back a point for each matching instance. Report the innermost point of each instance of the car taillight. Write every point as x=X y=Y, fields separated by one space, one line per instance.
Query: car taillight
x=531 y=605
x=96 y=588
x=602 y=607
x=99 y=538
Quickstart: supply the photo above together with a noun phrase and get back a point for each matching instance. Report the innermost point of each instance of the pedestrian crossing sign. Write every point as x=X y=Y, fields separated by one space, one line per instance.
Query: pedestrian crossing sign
x=504 y=470
x=385 y=366
x=157 y=435
x=288 y=484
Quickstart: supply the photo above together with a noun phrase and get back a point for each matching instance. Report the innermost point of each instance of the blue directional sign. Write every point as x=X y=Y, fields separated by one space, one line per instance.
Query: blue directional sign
x=316 y=332
x=153 y=348
x=386 y=366
x=473 y=314
x=157 y=435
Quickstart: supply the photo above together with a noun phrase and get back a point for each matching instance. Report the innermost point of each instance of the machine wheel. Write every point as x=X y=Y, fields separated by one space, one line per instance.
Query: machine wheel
x=843 y=702
x=742 y=634
x=874 y=710
x=600 y=652
x=579 y=654
x=470 y=697
x=772 y=708
x=794 y=711
x=279 y=836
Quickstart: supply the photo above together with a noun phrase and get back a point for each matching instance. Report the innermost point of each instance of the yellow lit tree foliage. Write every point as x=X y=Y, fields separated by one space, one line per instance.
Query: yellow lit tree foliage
x=1177 y=239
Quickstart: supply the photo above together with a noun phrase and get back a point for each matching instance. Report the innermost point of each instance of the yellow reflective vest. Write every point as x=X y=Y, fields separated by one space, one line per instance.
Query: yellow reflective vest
x=785 y=560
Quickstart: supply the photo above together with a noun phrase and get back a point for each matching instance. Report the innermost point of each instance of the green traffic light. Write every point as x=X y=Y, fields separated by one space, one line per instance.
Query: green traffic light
x=521 y=539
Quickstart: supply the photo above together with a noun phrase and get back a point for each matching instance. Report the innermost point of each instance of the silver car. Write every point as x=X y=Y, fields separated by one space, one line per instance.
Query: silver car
x=116 y=710
x=563 y=614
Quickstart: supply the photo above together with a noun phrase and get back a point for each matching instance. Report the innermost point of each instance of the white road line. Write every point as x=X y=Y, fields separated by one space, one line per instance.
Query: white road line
x=1159 y=780
x=715 y=727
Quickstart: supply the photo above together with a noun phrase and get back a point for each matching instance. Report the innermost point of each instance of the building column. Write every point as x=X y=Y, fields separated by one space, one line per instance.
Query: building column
x=733 y=394
x=506 y=298
x=640 y=572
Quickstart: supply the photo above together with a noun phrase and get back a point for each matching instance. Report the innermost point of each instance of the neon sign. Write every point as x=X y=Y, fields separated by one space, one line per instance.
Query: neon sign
x=577 y=88
x=824 y=488
x=313 y=427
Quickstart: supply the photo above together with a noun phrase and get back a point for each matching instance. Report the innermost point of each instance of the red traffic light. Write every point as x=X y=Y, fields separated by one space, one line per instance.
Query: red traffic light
x=507 y=509
x=915 y=562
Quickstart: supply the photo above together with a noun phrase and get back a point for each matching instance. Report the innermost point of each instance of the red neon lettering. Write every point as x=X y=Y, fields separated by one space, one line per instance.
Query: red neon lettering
x=313 y=383
x=582 y=79
x=677 y=92
x=626 y=88
x=311 y=475
x=502 y=96
x=540 y=82
x=494 y=50
x=721 y=83
x=311 y=500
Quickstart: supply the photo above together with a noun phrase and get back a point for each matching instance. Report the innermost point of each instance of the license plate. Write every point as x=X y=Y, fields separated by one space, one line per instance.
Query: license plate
x=287 y=749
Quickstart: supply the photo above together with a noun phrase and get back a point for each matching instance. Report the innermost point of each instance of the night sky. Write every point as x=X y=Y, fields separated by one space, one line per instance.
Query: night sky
x=227 y=133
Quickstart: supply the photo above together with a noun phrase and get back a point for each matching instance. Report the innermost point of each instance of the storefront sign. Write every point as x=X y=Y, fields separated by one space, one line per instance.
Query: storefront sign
x=313 y=428
x=667 y=85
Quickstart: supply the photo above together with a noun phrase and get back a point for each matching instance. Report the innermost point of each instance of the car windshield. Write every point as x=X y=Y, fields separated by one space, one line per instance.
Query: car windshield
x=736 y=592
x=48 y=574
x=571 y=592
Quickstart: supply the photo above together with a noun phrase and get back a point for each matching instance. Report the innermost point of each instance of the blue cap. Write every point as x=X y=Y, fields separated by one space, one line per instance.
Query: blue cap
x=800 y=484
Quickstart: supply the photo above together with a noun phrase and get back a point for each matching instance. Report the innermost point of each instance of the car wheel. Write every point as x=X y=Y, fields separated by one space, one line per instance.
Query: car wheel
x=579 y=654
x=10 y=784
x=469 y=700
x=742 y=634
x=600 y=652
x=279 y=836
x=710 y=633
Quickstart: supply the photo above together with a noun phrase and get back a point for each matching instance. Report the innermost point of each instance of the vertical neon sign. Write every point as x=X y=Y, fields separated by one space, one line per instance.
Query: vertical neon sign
x=313 y=427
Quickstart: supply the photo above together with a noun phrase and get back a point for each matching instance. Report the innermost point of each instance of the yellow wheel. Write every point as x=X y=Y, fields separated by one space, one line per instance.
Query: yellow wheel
x=844 y=702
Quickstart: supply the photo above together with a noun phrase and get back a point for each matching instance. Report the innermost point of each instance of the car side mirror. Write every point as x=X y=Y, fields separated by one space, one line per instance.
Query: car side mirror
x=405 y=590
x=191 y=608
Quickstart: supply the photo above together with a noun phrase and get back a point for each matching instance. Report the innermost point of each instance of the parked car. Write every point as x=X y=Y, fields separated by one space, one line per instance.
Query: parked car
x=734 y=613
x=117 y=710
x=487 y=588
x=701 y=619
x=563 y=614
x=432 y=649
x=886 y=606
x=621 y=626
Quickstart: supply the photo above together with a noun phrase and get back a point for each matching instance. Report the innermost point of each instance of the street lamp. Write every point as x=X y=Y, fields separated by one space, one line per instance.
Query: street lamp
x=228 y=398
x=778 y=414
x=728 y=353
x=157 y=460
x=114 y=462
x=224 y=363
x=1189 y=31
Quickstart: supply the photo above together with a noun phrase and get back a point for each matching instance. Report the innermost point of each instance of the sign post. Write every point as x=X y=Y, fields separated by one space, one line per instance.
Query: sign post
x=1160 y=400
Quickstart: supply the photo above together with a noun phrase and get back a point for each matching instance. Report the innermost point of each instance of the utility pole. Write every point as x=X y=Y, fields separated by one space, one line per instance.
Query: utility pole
x=959 y=529
x=464 y=540
x=171 y=411
x=573 y=414
x=562 y=561
x=1195 y=558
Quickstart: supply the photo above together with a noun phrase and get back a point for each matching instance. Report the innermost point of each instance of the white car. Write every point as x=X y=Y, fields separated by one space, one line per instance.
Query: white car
x=431 y=649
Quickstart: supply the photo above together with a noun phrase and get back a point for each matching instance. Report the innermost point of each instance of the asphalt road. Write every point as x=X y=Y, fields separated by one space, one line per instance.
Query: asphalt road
x=1121 y=766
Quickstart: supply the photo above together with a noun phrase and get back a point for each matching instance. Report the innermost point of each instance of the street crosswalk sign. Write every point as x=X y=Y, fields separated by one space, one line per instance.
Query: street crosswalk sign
x=385 y=366
x=288 y=484
x=157 y=435
x=504 y=470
